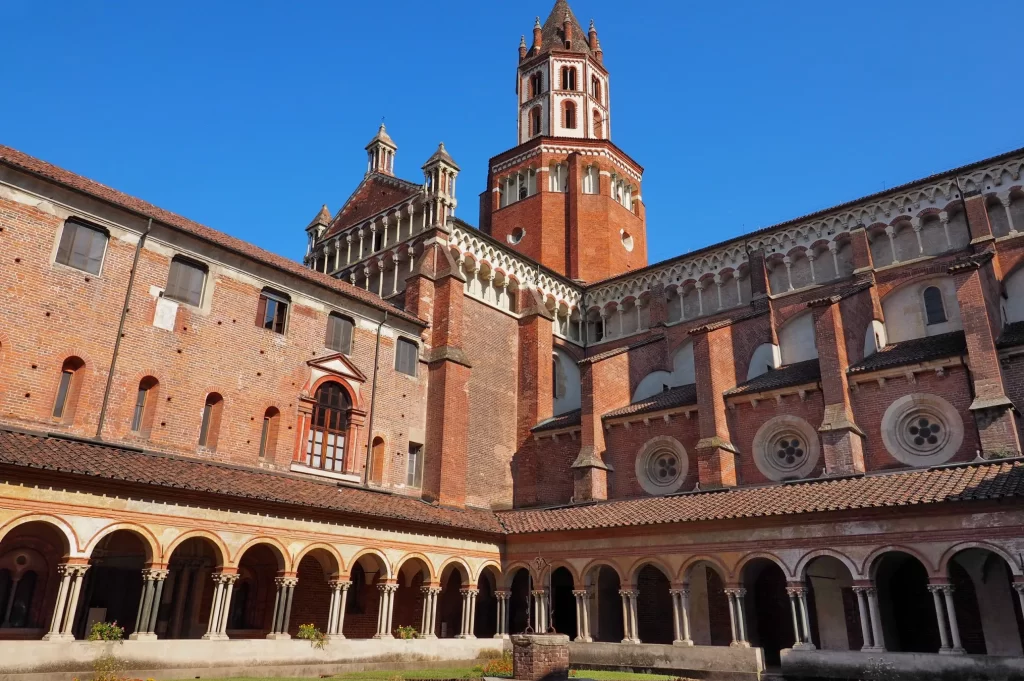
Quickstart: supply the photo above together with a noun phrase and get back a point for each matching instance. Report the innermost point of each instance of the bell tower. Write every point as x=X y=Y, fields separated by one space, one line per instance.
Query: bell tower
x=566 y=196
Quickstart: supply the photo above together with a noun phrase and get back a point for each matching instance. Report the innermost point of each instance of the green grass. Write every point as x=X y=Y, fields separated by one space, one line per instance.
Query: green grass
x=454 y=673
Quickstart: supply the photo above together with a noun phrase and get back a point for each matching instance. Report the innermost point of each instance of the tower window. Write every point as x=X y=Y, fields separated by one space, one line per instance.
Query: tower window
x=535 y=85
x=569 y=115
x=598 y=125
x=595 y=88
x=568 y=78
x=558 y=176
x=82 y=247
x=591 y=180
x=934 y=310
x=535 y=121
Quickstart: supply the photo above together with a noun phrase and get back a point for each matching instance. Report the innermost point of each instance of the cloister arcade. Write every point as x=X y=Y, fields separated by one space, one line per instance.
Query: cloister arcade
x=961 y=598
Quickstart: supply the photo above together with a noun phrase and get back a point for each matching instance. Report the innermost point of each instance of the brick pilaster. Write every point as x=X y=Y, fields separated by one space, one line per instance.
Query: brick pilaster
x=572 y=217
x=435 y=291
x=979 y=311
x=842 y=440
x=534 y=384
x=861 y=247
x=603 y=389
x=758 y=274
x=657 y=306
x=977 y=218
x=714 y=372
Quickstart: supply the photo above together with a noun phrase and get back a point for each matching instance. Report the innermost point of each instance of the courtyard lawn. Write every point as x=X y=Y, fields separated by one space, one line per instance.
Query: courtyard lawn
x=455 y=673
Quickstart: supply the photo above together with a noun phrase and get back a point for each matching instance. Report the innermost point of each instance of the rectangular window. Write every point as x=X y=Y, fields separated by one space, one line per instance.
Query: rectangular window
x=62 y=393
x=339 y=333
x=272 y=312
x=185 y=281
x=414 y=471
x=81 y=247
x=406 y=356
x=140 y=410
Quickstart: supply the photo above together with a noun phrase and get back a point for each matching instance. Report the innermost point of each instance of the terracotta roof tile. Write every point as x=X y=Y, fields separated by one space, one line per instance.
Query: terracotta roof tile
x=912 y=352
x=997 y=480
x=35 y=166
x=797 y=373
x=679 y=396
x=115 y=463
x=619 y=350
x=567 y=420
x=553 y=37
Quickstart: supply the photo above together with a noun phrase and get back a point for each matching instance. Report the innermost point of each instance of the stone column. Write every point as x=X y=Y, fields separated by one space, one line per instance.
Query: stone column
x=540 y=616
x=283 y=607
x=502 y=626
x=428 y=622
x=876 y=620
x=468 y=612
x=149 y=604
x=736 y=612
x=956 y=648
x=629 y=616
x=865 y=622
x=801 y=619
x=218 y=606
x=339 y=598
x=940 y=616
x=67 y=602
x=582 y=612
x=385 y=610
x=681 y=616
x=1019 y=588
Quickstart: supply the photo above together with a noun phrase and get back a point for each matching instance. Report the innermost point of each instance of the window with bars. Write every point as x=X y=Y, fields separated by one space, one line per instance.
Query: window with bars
x=325 y=445
x=406 y=356
x=82 y=246
x=272 y=311
x=185 y=281
x=339 y=333
x=414 y=466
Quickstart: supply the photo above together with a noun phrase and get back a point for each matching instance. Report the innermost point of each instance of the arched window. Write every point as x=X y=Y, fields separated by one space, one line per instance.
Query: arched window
x=569 y=115
x=568 y=78
x=145 y=404
x=377 y=457
x=935 y=311
x=595 y=88
x=325 y=446
x=535 y=121
x=598 y=125
x=209 y=429
x=268 y=434
x=68 y=388
x=535 y=85
x=591 y=180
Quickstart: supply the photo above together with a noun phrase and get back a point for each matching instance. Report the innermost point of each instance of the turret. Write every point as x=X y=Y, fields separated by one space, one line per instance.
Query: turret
x=538 y=37
x=567 y=28
x=439 y=173
x=380 y=153
x=595 y=45
x=522 y=48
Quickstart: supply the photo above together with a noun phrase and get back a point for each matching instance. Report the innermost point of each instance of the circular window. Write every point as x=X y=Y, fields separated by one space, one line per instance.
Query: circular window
x=661 y=466
x=922 y=430
x=627 y=240
x=786 y=448
x=516 y=236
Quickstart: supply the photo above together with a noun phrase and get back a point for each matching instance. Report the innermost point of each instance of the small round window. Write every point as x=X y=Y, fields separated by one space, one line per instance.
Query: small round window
x=661 y=466
x=922 y=430
x=786 y=448
x=627 y=240
x=516 y=236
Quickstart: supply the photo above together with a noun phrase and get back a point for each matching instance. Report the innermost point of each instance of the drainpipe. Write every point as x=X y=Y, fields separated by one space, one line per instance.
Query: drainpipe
x=373 y=401
x=120 y=329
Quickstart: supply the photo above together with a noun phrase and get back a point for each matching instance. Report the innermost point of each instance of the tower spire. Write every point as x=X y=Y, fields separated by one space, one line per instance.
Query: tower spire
x=380 y=153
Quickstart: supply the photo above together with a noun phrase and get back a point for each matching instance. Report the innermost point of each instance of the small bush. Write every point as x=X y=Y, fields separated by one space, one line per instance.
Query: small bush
x=499 y=666
x=103 y=631
x=316 y=638
x=406 y=632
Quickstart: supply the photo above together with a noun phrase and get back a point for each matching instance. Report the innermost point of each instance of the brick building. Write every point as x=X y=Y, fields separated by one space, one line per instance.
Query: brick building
x=804 y=438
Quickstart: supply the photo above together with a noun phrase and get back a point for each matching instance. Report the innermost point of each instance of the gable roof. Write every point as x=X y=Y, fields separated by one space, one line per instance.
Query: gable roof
x=83 y=185
x=375 y=193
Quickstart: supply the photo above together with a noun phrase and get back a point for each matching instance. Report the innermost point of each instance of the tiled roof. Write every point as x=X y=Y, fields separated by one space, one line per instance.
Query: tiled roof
x=322 y=218
x=912 y=351
x=941 y=485
x=1013 y=334
x=797 y=373
x=567 y=420
x=619 y=350
x=971 y=261
x=114 y=463
x=841 y=293
x=17 y=159
x=442 y=155
x=679 y=396
x=552 y=35
x=376 y=193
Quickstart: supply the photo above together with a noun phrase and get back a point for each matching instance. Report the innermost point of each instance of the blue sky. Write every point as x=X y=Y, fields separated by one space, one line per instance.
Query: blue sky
x=247 y=116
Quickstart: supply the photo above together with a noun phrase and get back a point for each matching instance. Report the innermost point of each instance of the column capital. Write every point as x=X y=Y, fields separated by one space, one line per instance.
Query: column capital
x=796 y=590
x=1019 y=587
x=468 y=591
x=539 y=592
x=72 y=569
x=505 y=595
x=286 y=581
x=580 y=593
x=155 y=574
x=941 y=588
x=627 y=592
x=868 y=590
x=736 y=591
x=339 y=584
x=224 y=577
x=430 y=589
x=683 y=591
x=388 y=588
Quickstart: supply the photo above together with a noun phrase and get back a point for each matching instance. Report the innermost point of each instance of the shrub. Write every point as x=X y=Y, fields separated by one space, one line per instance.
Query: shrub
x=500 y=666
x=103 y=631
x=406 y=632
x=316 y=638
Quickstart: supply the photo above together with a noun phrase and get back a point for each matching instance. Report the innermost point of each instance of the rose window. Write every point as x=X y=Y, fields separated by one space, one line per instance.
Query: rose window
x=661 y=465
x=786 y=448
x=789 y=451
x=922 y=430
x=663 y=468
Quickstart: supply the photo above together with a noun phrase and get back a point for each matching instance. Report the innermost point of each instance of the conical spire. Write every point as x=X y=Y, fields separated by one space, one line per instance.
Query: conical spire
x=322 y=218
x=442 y=155
x=383 y=137
x=554 y=34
